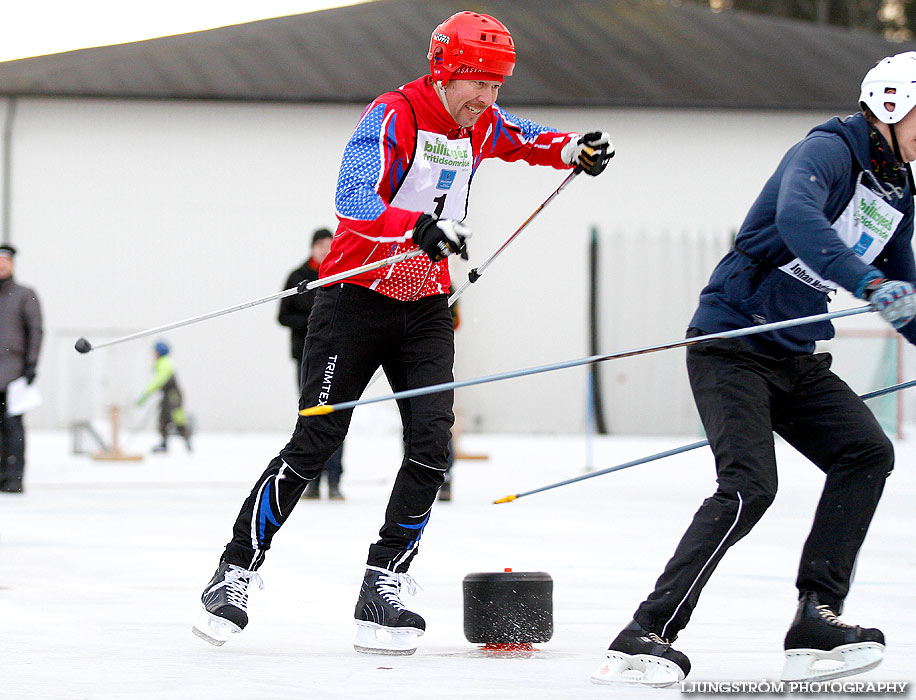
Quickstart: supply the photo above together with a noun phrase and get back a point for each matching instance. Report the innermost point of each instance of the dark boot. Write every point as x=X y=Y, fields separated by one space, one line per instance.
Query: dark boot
x=11 y=484
x=820 y=646
x=225 y=603
x=383 y=624
x=640 y=657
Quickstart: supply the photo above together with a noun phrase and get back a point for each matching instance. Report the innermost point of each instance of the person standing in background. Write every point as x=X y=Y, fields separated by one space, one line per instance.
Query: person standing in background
x=294 y=314
x=20 y=343
x=171 y=409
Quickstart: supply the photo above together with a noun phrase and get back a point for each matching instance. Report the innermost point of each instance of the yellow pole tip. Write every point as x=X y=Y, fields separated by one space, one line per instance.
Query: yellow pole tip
x=316 y=411
x=507 y=499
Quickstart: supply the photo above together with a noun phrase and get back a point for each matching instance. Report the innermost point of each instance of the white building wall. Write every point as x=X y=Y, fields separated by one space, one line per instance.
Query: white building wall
x=134 y=214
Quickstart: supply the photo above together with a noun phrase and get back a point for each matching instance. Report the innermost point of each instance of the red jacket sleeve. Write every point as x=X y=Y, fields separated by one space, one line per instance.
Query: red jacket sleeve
x=512 y=138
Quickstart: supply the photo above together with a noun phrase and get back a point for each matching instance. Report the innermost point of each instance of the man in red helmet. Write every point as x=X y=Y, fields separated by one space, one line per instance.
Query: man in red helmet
x=403 y=183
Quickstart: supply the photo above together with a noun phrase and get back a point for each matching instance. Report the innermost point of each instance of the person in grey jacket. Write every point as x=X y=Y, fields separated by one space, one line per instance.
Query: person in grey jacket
x=20 y=343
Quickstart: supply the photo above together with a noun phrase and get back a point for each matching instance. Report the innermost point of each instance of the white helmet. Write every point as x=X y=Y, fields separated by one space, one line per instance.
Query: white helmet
x=892 y=82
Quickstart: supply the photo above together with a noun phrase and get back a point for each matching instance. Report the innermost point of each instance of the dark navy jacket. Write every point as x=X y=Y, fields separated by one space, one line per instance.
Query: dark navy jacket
x=792 y=218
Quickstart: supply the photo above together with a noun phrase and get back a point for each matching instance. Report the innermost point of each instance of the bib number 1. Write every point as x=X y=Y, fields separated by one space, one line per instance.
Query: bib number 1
x=440 y=204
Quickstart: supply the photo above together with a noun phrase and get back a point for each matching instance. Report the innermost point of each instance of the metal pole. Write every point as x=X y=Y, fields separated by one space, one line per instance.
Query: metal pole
x=476 y=272
x=6 y=194
x=737 y=333
x=675 y=451
x=82 y=345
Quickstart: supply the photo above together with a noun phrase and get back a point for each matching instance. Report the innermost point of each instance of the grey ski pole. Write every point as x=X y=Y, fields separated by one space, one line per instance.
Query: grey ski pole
x=435 y=388
x=83 y=346
x=669 y=453
x=476 y=272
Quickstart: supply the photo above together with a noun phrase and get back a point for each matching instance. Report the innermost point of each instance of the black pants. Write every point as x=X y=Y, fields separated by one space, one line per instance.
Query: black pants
x=12 y=446
x=333 y=468
x=352 y=331
x=742 y=397
x=171 y=411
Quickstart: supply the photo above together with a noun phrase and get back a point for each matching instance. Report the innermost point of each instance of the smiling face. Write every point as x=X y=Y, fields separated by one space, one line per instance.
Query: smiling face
x=466 y=100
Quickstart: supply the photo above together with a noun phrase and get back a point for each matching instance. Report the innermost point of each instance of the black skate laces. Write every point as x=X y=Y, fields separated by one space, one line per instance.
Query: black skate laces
x=830 y=617
x=389 y=585
x=236 y=582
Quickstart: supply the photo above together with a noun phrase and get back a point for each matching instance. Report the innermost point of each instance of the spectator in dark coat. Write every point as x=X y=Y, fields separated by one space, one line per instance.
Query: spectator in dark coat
x=294 y=314
x=20 y=343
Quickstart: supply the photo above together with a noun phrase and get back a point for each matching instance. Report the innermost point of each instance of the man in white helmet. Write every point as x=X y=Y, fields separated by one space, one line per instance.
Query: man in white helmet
x=837 y=212
x=403 y=184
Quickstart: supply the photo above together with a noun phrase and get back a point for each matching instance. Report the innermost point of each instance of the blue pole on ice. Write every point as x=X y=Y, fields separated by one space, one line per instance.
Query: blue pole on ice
x=675 y=451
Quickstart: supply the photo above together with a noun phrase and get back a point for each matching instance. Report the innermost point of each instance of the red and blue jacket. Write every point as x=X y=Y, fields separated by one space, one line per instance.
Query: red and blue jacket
x=376 y=161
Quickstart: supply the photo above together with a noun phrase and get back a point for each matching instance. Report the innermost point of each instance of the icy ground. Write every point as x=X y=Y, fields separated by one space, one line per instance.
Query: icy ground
x=102 y=563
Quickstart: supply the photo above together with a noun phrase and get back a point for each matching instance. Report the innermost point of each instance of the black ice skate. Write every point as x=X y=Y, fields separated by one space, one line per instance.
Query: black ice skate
x=383 y=624
x=638 y=657
x=225 y=603
x=820 y=646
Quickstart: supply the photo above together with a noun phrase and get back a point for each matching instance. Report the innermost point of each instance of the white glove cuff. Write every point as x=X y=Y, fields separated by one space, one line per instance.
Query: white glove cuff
x=570 y=150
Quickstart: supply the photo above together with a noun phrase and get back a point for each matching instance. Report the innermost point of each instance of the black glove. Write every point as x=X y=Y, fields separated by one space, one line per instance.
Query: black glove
x=591 y=152
x=439 y=238
x=29 y=374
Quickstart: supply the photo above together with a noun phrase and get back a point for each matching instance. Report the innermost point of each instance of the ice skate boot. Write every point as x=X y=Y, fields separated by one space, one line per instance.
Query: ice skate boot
x=383 y=624
x=225 y=603
x=819 y=646
x=638 y=657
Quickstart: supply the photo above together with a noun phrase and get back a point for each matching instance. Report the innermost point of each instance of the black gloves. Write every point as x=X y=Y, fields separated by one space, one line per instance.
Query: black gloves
x=591 y=152
x=29 y=374
x=439 y=238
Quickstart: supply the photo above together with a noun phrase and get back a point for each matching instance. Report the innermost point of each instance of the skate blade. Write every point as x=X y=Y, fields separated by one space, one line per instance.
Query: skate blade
x=641 y=669
x=819 y=665
x=213 y=629
x=392 y=641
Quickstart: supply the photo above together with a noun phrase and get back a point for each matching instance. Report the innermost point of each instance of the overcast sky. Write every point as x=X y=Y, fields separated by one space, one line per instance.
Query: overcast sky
x=37 y=27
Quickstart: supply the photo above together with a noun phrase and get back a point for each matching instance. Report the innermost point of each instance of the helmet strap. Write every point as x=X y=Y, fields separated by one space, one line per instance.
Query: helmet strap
x=440 y=91
x=909 y=171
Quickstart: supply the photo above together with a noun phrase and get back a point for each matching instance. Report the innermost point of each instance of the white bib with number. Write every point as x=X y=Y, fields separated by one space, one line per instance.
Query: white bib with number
x=866 y=226
x=439 y=177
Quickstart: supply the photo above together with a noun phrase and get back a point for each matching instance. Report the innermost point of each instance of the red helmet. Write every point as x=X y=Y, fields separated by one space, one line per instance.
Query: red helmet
x=472 y=45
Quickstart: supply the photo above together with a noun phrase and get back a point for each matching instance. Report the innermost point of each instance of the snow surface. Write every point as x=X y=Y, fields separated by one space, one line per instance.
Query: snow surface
x=102 y=565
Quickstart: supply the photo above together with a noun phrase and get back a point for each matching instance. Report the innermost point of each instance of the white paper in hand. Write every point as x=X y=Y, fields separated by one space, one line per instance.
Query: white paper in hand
x=21 y=397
